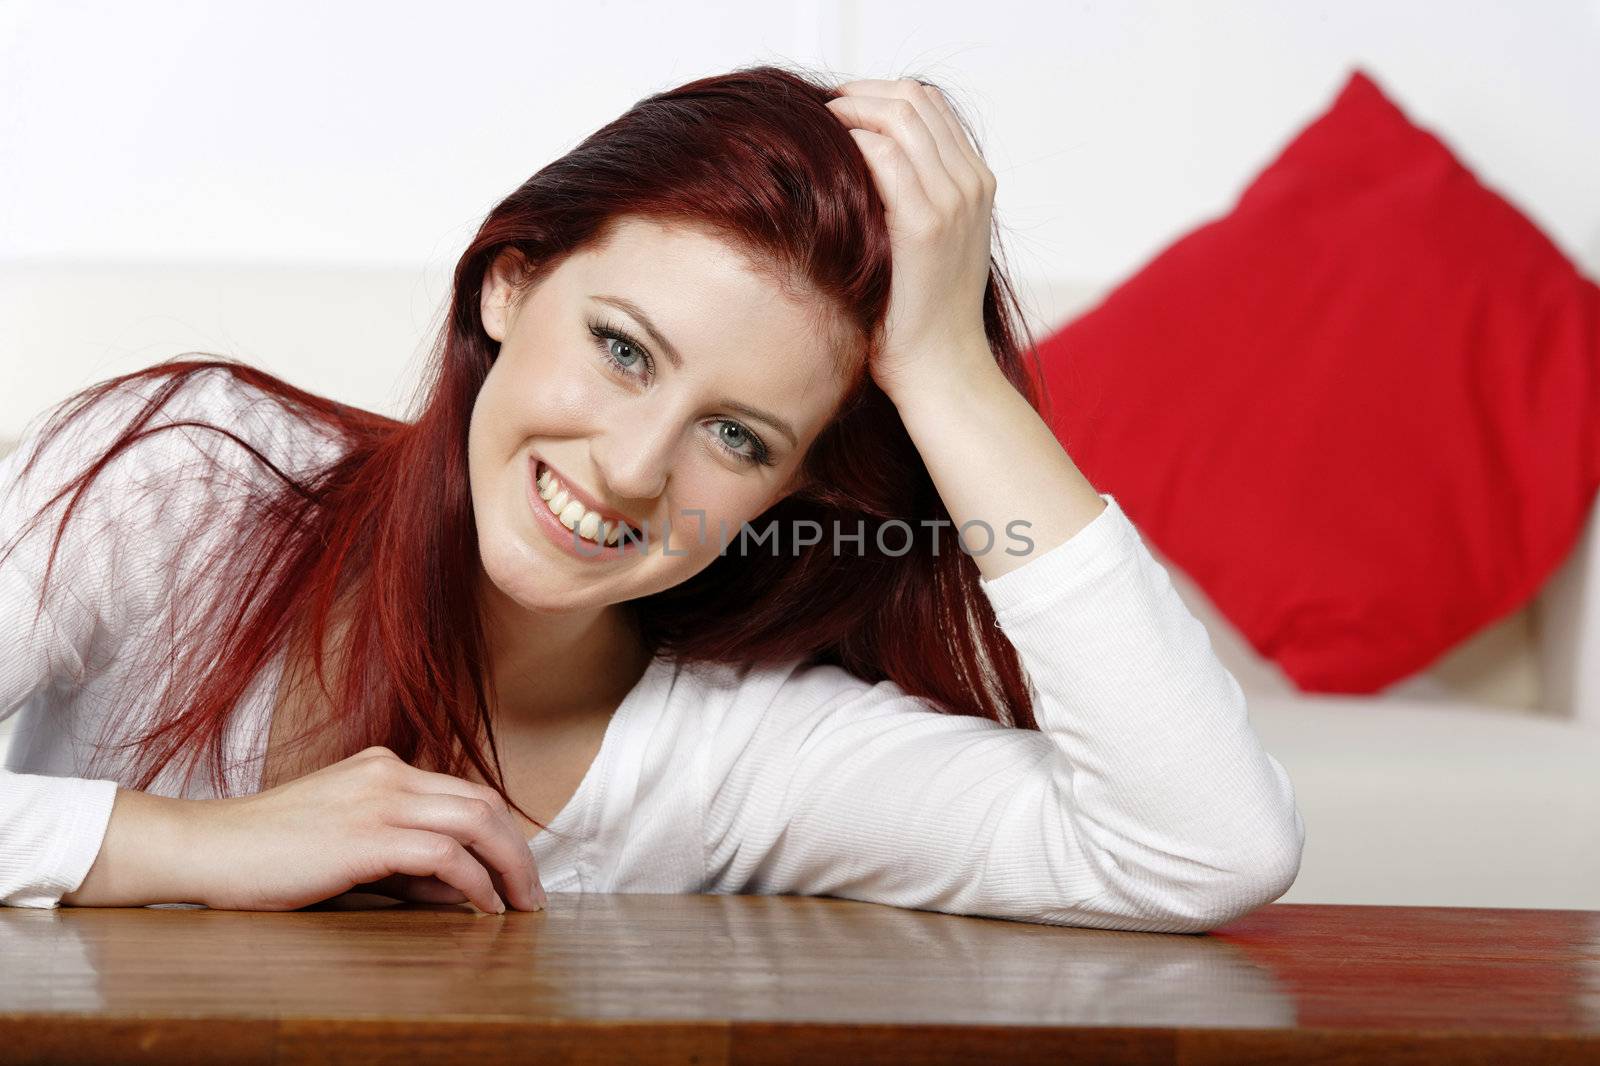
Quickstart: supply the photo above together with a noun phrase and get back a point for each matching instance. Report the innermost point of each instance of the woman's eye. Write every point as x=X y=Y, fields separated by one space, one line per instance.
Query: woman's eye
x=629 y=359
x=621 y=351
x=741 y=443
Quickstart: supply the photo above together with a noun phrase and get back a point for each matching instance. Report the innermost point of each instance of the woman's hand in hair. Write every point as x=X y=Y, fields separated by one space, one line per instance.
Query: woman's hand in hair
x=938 y=198
x=996 y=463
x=370 y=822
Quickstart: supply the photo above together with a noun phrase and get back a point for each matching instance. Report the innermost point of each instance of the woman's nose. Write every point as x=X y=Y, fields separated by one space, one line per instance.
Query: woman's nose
x=634 y=459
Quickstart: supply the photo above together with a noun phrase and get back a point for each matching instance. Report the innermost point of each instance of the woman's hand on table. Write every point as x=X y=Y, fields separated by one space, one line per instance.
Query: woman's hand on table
x=369 y=823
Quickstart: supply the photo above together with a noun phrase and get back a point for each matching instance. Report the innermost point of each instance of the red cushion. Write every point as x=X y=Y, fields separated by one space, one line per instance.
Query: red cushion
x=1361 y=410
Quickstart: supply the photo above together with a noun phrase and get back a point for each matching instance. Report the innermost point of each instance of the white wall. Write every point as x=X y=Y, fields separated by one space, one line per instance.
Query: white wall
x=318 y=134
x=379 y=133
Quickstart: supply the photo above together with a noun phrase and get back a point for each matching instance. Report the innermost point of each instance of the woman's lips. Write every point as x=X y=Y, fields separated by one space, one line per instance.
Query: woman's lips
x=568 y=540
x=582 y=497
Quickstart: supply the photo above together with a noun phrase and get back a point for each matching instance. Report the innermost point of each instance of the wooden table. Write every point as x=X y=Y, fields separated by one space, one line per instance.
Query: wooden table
x=763 y=979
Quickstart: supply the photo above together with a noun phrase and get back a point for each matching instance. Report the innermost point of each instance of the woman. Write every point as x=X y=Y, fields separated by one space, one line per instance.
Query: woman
x=748 y=559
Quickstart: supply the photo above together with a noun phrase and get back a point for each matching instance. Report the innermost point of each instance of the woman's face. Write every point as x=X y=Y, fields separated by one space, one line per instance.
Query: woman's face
x=659 y=378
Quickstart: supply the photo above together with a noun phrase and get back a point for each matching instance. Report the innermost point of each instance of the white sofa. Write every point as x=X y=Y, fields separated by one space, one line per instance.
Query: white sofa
x=1474 y=783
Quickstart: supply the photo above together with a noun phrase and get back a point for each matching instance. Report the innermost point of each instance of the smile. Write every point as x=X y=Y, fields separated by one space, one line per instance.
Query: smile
x=572 y=524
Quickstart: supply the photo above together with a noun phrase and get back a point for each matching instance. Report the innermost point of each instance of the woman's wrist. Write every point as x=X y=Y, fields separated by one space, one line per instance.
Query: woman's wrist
x=949 y=380
x=146 y=855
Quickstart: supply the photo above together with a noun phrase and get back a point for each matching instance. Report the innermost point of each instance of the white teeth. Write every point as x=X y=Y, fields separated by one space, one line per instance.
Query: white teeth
x=571 y=513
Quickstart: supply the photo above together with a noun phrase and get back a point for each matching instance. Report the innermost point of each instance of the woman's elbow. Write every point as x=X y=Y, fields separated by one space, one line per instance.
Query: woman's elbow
x=1253 y=885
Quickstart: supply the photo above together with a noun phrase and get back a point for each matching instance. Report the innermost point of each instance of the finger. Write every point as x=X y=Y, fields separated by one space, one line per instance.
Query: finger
x=962 y=137
x=394 y=774
x=478 y=826
x=419 y=780
x=954 y=150
x=899 y=120
x=893 y=174
x=421 y=853
x=427 y=782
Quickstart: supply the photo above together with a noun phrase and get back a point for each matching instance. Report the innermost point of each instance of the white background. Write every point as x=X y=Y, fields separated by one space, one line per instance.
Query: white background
x=378 y=135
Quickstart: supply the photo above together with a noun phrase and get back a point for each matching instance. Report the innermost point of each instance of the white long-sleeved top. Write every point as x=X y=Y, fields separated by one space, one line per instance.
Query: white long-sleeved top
x=1145 y=802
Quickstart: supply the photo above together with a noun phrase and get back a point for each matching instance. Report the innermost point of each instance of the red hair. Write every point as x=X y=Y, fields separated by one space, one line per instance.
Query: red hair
x=753 y=156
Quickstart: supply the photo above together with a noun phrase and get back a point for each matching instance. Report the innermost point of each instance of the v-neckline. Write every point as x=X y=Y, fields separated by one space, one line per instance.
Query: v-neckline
x=597 y=772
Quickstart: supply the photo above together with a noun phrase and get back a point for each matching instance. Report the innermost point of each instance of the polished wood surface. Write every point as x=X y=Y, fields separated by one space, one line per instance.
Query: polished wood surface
x=767 y=979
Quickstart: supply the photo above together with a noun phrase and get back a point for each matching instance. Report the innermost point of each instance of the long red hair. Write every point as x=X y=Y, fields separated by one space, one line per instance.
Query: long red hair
x=751 y=155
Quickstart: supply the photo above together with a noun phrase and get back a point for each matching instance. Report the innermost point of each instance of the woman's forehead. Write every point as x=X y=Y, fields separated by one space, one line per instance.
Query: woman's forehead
x=694 y=282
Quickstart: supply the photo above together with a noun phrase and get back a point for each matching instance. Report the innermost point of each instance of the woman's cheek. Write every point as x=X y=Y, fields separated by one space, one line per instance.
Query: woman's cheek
x=575 y=400
x=711 y=523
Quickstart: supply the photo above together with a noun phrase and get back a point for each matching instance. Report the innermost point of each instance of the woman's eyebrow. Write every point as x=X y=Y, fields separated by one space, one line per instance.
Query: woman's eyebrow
x=625 y=304
x=634 y=311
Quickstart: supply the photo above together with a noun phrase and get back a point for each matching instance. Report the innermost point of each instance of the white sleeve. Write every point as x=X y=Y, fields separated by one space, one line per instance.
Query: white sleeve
x=51 y=828
x=115 y=568
x=1145 y=802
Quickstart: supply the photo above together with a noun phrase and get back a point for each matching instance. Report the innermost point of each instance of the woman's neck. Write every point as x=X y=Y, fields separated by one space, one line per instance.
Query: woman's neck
x=554 y=666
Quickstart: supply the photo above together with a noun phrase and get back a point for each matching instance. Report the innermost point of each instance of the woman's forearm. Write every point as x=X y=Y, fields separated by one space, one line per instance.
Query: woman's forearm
x=996 y=462
x=144 y=857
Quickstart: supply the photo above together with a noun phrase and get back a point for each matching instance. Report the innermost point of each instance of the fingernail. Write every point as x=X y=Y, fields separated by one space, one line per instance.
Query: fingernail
x=539 y=894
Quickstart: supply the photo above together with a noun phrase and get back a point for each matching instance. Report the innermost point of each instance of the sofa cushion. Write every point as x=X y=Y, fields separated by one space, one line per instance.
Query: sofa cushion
x=1360 y=410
